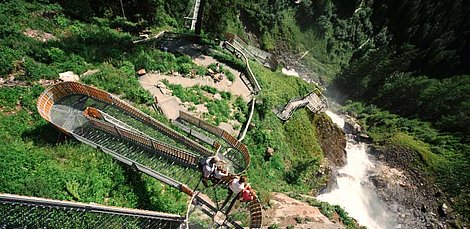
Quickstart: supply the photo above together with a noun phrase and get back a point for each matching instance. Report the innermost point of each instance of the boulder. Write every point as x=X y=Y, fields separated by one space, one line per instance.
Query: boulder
x=351 y=126
x=217 y=96
x=268 y=153
x=69 y=76
x=141 y=72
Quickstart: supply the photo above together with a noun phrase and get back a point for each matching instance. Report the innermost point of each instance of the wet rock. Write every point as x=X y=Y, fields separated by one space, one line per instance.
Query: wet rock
x=442 y=210
x=351 y=126
x=332 y=140
x=408 y=188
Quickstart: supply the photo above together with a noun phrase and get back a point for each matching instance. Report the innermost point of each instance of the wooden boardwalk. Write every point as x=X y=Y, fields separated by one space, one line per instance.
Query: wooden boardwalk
x=314 y=102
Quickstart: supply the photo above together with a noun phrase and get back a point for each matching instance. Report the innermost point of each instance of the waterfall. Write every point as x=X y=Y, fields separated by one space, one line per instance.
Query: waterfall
x=354 y=192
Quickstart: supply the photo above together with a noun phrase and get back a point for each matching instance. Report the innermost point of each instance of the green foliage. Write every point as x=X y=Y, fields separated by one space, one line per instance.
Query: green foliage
x=217 y=16
x=165 y=62
x=297 y=154
x=230 y=75
x=219 y=110
x=120 y=81
x=229 y=60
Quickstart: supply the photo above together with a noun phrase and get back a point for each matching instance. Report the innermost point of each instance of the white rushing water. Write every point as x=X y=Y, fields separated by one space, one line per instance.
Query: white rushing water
x=290 y=72
x=354 y=192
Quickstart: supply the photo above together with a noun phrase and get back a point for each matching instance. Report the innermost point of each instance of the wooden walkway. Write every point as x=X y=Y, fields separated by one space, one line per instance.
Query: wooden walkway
x=315 y=103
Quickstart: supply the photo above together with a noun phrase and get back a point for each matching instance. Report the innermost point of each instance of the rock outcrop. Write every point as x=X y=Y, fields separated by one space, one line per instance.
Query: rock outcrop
x=407 y=191
x=332 y=140
x=292 y=213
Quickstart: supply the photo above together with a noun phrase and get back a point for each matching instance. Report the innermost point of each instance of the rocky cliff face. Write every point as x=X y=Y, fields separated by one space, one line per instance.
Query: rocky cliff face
x=408 y=192
x=332 y=140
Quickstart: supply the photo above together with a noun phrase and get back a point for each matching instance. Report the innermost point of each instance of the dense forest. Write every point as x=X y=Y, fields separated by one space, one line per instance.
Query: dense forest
x=401 y=66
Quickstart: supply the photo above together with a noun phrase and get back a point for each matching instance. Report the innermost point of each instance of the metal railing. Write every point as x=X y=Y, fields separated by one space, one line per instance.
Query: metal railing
x=32 y=212
x=251 y=77
x=243 y=161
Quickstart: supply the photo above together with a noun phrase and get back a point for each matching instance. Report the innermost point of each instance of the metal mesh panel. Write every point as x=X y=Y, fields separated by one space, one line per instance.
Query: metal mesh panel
x=240 y=157
x=27 y=212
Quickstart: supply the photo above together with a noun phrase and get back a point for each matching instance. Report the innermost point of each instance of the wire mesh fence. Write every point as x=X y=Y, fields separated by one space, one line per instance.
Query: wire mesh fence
x=30 y=212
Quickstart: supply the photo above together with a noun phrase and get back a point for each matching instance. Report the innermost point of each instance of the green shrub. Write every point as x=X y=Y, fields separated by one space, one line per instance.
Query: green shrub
x=185 y=68
x=7 y=57
x=201 y=70
x=139 y=95
x=230 y=75
x=36 y=71
x=209 y=89
x=219 y=109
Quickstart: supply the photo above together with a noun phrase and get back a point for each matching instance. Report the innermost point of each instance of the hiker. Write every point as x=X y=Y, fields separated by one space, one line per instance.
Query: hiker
x=248 y=194
x=221 y=76
x=218 y=69
x=208 y=166
x=237 y=185
x=220 y=174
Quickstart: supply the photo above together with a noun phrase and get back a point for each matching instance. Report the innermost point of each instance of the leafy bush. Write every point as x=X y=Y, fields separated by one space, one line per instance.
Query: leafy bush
x=185 y=68
x=201 y=70
x=230 y=75
x=219 y=109
x=120 y=81
x=36 y=71
x=209 y=89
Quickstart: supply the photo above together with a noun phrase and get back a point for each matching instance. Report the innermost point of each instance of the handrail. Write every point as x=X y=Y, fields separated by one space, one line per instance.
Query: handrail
x=251 y=76
x=90 y=207
x=247 y=125
x=167 y=150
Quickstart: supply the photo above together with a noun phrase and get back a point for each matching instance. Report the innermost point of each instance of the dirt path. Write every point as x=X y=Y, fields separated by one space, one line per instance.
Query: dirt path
x=171 y=105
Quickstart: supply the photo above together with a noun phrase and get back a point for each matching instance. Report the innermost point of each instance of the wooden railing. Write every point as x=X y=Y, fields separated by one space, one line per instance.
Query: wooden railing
x=62 y=90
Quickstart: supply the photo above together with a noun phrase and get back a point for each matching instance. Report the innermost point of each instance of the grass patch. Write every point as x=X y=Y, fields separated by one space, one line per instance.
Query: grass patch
x=297 y=154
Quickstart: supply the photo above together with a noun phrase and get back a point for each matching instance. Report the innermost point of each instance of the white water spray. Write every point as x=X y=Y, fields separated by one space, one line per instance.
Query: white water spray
x=355 y=193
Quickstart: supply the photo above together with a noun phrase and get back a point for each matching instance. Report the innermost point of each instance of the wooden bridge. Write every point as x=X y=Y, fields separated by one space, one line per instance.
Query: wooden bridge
x=104 y=121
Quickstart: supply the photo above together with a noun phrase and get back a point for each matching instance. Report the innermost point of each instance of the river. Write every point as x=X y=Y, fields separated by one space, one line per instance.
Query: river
x=354 y=192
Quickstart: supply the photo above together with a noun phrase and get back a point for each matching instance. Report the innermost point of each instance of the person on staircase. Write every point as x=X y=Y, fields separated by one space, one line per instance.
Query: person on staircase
x=221 y=175
x=243 y=191
x=207 y=167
